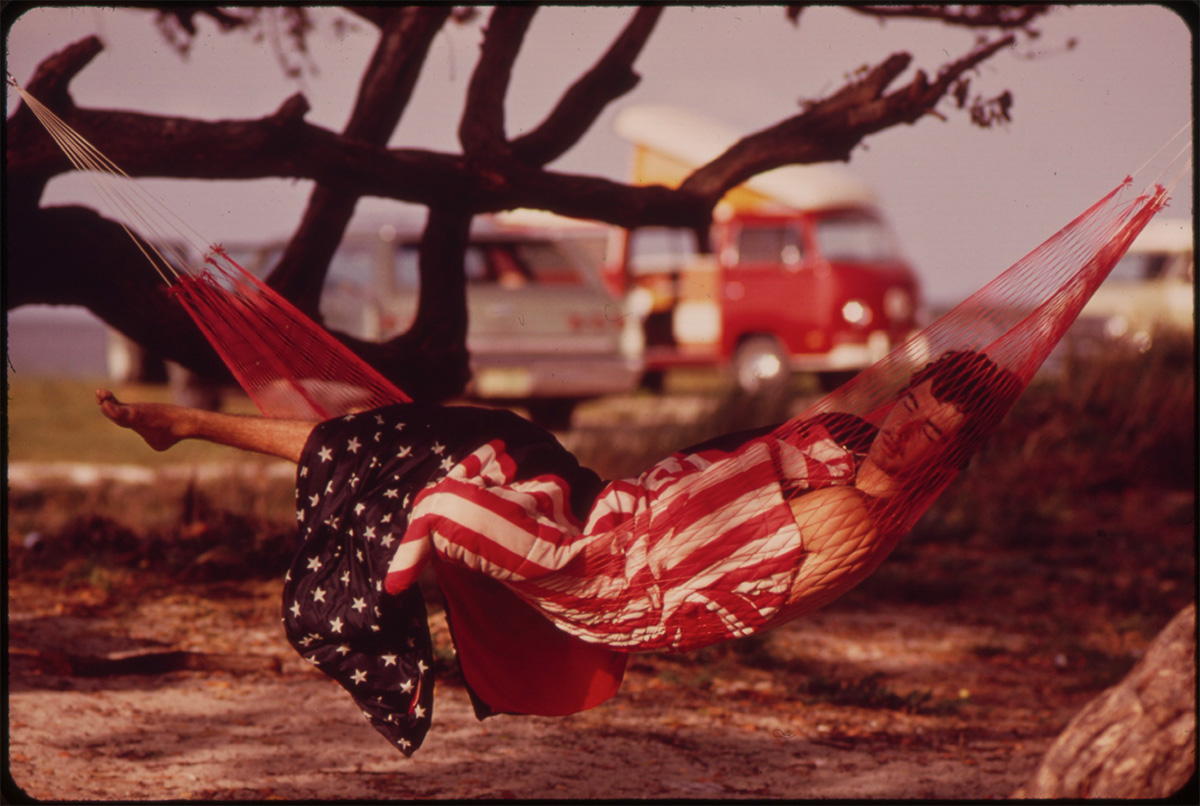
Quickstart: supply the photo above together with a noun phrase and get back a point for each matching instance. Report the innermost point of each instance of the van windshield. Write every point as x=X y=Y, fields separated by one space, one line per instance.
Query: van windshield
x=855 y=239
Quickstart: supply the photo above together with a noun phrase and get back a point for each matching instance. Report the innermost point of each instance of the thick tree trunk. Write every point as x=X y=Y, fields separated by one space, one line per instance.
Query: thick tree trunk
x=1136 y=740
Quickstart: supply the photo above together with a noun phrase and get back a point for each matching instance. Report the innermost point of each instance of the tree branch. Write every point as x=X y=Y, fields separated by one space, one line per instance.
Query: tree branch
x=481 y=131
x=610 y=78
x=1001 y=17
x=830 y=129
x=384 y=92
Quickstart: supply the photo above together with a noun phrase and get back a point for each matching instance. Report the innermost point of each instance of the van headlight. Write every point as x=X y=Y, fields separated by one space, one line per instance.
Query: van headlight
x=857 y=313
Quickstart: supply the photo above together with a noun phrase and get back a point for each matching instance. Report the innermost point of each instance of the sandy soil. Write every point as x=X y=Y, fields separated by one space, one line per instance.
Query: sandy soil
x=680 y=727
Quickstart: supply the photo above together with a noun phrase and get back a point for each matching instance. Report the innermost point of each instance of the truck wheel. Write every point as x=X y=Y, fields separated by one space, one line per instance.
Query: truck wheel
x=760 y=366
x=653 y=380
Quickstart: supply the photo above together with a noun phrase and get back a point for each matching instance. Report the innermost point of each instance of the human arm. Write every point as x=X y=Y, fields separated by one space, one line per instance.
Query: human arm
x=841 y=543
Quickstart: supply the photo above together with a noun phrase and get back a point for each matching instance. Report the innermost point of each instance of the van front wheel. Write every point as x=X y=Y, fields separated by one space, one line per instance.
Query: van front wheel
x=760 y=365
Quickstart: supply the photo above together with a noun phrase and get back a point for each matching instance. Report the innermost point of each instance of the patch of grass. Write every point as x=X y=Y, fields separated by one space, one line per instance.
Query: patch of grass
x=1119 y=422
x=57 y=420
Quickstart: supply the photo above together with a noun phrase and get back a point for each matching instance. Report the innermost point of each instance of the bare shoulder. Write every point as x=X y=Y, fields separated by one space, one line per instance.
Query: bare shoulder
x=830 y=501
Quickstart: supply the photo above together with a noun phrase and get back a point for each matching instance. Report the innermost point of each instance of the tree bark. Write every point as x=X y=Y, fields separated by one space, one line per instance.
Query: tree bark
x=1136 y=740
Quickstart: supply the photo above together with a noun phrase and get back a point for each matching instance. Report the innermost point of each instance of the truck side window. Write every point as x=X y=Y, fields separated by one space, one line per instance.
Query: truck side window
x=660 y=249
x=773 y=244
x=406 y=274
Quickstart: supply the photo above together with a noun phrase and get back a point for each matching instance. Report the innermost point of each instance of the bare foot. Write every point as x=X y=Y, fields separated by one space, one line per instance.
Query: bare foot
x=160 y=424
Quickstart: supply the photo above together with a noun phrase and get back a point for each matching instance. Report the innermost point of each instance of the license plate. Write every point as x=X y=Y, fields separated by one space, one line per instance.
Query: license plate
x=503 y=382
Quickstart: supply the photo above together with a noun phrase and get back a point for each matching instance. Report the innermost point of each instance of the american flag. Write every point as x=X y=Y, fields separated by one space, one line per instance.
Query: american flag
x=355 y=484
x=697 y=549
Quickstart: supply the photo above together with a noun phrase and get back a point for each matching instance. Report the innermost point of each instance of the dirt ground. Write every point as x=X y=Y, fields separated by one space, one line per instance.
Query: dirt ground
x=945 y=676
x=676 y=730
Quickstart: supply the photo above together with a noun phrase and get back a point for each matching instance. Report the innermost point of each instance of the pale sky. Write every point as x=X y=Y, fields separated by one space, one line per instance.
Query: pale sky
x=965 y=202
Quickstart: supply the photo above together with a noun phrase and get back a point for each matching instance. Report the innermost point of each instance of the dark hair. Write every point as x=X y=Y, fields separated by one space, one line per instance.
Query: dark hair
x=980 y=388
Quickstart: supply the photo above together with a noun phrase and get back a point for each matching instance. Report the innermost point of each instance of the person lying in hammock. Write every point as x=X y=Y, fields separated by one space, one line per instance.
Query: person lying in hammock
x=715 y=542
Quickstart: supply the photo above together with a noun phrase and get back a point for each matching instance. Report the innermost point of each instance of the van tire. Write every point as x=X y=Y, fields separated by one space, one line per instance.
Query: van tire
x=760 y=366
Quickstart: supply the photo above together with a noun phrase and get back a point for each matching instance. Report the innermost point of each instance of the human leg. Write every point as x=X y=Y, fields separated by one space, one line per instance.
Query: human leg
x=162 y=425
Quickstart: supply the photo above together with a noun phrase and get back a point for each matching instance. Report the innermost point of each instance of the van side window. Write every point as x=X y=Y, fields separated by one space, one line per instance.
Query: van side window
x=768 y=244
x=855 y=239
x=548 y=264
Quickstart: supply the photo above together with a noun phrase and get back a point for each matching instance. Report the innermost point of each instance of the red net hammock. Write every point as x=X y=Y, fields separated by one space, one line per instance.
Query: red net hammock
x=721 y=541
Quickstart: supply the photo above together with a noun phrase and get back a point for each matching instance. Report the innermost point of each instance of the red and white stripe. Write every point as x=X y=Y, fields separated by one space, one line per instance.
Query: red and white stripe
x=699 y=548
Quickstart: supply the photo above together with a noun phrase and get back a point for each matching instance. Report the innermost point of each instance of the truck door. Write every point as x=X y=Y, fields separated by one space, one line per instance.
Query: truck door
x=767 y=286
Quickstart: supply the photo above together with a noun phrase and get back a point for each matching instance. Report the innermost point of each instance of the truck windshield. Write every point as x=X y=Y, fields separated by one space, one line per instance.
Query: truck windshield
x=855 y=239
x=512 y=264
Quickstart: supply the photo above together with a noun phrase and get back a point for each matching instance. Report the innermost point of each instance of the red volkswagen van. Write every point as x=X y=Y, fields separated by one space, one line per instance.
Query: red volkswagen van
x=804 y=274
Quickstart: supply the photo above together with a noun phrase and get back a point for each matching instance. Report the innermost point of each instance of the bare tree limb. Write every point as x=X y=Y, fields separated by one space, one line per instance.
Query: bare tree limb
x=988 y=15
x=481 y=131
x=577 y=110
x=384 y=92
x=829 y=129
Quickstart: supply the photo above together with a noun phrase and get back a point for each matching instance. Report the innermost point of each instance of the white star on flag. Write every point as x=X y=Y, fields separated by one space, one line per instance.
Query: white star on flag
x=353 y=445
x=359 y=507
x=313 y=499
x=389 y=660
x=360 y=676
x=296 y=609
x=404 y=452
x=419 y=712
x=359 y=605
x=392 y=493
x=438 y=448
x=406 y=686
x=336 y=623
x=325 y=454
x=343 y=649
x=314 y=564
x=318 y=595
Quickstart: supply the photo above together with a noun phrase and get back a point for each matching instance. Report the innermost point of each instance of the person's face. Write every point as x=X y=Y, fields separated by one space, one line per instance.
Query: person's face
x=915 y=426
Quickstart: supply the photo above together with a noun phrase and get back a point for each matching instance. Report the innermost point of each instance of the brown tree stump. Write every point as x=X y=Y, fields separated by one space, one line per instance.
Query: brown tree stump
x=1138 y=738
